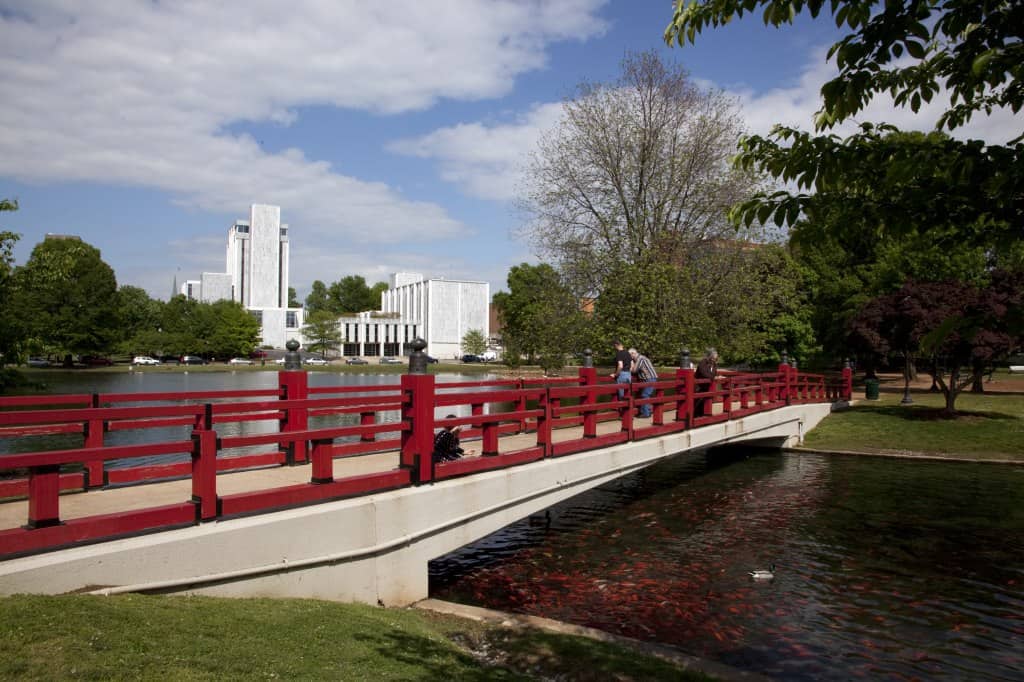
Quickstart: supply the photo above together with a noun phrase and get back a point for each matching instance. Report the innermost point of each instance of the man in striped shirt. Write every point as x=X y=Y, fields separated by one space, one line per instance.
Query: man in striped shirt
x=643 y=369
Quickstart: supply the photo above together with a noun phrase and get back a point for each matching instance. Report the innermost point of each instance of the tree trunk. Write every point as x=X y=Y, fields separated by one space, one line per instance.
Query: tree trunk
x=952 y=391
x=978 y=374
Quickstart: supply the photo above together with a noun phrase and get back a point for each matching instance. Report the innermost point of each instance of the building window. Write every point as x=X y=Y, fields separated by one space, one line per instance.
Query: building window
x=291 y=319
x=284 y=231
x=258 y=314
x=241 y=229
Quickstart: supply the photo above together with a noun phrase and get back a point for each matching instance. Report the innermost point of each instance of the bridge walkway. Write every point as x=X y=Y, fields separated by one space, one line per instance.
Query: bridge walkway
x=75 y=505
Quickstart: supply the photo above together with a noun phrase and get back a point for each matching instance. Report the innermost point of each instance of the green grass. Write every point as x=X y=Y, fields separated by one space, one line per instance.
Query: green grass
x=133 y=637
x=987 y=426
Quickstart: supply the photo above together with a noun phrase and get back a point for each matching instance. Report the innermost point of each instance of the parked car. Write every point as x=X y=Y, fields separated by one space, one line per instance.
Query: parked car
x=167 y=359
x=239 y=361
x=356 y=361
x=38 y=362
x=471 y=358
x=191 y=360
x=144 y=360
x=391 y=361
x=96 y=361
x=431 y=359
x=316 y=361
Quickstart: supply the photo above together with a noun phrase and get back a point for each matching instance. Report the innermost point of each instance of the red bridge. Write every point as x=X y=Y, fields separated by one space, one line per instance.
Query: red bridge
x=553 y=418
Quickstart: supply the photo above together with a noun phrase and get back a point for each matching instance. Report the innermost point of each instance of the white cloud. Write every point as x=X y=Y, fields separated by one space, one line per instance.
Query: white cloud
x=486 y=161
x=145 y=93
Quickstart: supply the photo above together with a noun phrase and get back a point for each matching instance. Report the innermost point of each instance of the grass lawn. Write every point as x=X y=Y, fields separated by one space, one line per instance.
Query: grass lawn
x=134 y=637
x=988 y=426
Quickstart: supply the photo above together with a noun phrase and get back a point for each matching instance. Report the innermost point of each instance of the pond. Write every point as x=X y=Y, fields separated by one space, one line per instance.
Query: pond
x=883 y=568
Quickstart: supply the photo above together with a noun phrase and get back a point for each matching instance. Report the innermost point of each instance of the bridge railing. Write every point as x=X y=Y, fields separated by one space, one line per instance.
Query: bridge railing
x=540 y=410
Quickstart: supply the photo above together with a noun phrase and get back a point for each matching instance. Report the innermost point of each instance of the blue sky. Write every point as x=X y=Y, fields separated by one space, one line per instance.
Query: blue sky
x=391 y=134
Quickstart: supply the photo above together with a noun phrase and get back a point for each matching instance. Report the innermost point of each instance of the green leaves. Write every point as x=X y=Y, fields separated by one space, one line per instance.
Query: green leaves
x=973 y=48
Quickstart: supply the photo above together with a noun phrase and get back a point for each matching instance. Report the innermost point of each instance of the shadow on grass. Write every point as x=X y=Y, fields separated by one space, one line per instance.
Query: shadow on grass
x=926 y=413
x=517 y=654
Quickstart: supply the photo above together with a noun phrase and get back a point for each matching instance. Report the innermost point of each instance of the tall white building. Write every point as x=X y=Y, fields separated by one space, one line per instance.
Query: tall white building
x=257 y=275
x=445 y=308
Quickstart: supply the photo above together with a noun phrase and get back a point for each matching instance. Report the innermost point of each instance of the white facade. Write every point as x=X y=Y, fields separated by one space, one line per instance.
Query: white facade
x=447 y=309
x=257 y=275
x=377 y=334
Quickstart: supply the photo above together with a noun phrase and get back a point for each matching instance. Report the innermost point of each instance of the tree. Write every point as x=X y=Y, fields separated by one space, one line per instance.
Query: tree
x=293 y=299
x=375 y=293
x=350 y=294
x=229 y=330
x=11 y=334
x=474 y=342
x=72 y=294
x=967 y=326
x=848 y=261
x=322 y=328
x=317 y=298
x=909 y=50
x=137 y=314
x=659 y=307
x=636 y=172
x=540 y=317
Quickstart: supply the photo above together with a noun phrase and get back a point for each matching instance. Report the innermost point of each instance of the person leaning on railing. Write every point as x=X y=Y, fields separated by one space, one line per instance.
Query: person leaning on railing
x=446 y=443
x=707 y=369
x=641 y=366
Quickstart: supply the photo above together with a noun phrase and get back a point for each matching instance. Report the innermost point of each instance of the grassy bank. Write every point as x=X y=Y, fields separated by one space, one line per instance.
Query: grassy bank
x=988 y=426
x=197 y=638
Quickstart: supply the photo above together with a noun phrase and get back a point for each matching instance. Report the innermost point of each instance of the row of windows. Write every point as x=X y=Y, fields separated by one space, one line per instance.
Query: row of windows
x=244 y=229
x=362 y=332
x=291 y=318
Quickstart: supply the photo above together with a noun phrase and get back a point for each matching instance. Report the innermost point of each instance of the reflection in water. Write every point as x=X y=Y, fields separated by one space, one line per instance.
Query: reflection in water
x=884 y=569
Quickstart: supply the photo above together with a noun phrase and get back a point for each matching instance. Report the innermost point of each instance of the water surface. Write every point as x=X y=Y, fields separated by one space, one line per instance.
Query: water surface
x=885 y=569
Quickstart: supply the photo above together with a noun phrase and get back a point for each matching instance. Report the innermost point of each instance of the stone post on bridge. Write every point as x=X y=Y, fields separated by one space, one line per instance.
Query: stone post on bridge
x=294 y=384
x=418 y=410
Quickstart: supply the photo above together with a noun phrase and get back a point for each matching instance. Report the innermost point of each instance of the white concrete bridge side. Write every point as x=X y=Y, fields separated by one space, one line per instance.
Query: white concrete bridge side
x=373 y=548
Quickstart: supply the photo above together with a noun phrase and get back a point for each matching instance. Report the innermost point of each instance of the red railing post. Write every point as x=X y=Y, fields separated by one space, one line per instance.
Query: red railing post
x=294 y=385
x=684 y=406
x=367 y=419
x=323 y=461
x=94 y=429
x=43 y=496
x=204 y=472
x=520 y=404
x=727 y=391
x=847 y=382
x=489 y=439
x=786 y=380
x=658 y=415
x=418 y=440
x=588 y=377
x=544 y=422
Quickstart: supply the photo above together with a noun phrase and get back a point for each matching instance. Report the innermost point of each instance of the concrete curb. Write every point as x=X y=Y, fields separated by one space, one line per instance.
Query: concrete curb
x=905 y=454
x=514 y=620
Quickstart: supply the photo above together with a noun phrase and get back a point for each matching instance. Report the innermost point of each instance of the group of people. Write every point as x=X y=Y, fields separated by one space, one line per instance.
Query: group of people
x=628 y=364
x=631 y=363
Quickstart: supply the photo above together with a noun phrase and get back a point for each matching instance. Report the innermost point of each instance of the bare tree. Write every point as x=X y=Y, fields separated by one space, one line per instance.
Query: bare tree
x=636 y=172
